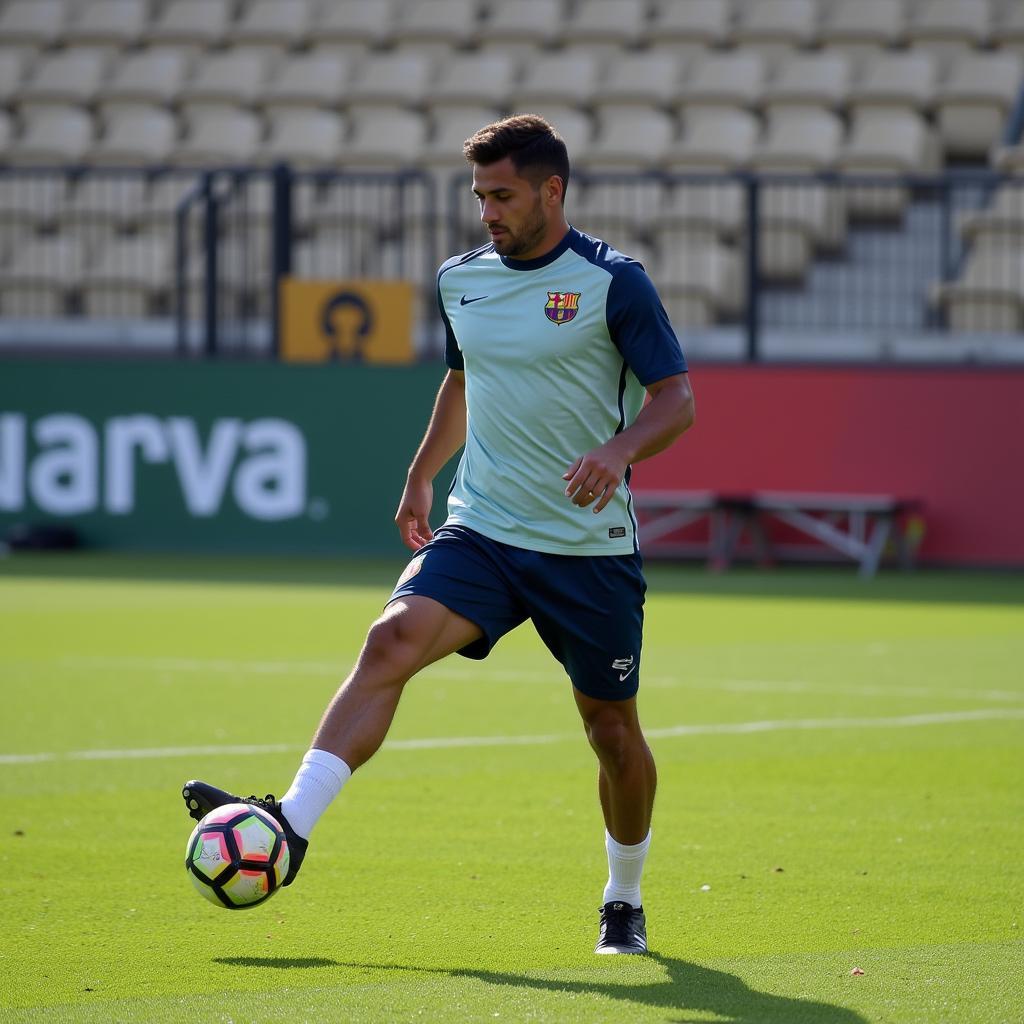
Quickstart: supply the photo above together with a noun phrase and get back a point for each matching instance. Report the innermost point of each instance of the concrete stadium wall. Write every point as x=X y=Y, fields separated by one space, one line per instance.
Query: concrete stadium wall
x=262 y=457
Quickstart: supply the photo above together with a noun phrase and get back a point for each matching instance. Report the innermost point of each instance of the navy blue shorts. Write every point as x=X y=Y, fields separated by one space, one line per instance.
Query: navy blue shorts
x=588 y=609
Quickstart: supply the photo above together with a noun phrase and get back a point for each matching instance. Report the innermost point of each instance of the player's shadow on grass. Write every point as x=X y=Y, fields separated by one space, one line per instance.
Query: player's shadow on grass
x=690 y=989
x=279 y=962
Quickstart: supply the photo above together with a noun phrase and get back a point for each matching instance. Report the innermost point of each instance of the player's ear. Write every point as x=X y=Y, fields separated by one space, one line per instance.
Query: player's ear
x=552 y=190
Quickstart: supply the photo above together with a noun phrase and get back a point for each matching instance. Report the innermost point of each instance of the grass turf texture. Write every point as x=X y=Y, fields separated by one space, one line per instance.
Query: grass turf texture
x=460 y=883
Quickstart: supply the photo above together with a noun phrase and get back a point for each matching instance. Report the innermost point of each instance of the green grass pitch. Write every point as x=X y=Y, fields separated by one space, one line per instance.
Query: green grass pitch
x=841 y=786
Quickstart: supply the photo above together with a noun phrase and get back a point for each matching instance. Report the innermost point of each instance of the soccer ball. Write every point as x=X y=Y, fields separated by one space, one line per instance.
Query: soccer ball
x=237 y=856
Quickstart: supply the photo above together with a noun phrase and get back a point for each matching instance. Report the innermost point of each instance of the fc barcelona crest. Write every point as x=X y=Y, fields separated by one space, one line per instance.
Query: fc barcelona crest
x=562 y=306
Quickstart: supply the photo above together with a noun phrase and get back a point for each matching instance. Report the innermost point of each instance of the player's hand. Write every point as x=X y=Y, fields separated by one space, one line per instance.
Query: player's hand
x=595 y=477
x=413 y=515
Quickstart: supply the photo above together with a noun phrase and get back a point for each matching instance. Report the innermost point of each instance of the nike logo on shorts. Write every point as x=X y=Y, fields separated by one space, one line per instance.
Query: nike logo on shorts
x=624 y=666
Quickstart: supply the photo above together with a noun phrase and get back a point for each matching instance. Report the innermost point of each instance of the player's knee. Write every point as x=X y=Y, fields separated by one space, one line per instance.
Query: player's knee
x=613 y=738
x=392 y=647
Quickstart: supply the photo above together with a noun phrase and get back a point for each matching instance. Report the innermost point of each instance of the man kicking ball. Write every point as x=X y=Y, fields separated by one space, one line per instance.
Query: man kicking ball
x=554 y=340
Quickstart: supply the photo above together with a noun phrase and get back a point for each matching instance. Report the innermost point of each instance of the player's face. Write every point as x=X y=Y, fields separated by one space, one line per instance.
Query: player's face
x=512 y=209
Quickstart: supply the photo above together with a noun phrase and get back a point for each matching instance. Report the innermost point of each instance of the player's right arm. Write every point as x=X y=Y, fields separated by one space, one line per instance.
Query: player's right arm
x=446 y=434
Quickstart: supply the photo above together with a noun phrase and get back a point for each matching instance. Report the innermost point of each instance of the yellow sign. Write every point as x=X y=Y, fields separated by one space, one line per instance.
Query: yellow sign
x=346 y=321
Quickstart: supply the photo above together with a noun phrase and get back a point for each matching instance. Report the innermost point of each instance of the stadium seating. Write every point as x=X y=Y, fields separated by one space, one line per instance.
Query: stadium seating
x=872 y=87
x=688 y=29
x=130 y=278
x=41 y=277
x=989 y=296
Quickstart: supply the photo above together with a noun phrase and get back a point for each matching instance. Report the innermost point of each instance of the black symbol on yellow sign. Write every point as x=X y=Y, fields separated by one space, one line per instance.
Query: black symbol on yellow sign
x=347 y=325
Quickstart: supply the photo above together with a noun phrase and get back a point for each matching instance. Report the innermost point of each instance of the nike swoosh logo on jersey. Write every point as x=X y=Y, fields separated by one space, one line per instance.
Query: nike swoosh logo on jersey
x=624 y=674
x=465 y=302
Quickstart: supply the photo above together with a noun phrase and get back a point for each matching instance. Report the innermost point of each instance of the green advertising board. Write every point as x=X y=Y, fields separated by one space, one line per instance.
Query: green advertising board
x=213 y=455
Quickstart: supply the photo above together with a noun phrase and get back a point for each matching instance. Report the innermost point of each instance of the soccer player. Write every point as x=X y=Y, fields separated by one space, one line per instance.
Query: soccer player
x=554 y=340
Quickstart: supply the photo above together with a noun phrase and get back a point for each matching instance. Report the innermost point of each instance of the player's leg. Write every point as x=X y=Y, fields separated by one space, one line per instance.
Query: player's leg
x=589 y=612
x=627 y=779
x=412 y=633
x=627 y=776
x=451 y=597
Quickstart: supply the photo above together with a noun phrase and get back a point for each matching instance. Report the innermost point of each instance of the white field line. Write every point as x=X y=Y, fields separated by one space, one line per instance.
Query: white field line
x=458 y=672
x=452 y=742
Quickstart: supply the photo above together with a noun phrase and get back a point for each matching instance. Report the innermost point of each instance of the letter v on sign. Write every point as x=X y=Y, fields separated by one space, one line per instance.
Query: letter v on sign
x=203 y=476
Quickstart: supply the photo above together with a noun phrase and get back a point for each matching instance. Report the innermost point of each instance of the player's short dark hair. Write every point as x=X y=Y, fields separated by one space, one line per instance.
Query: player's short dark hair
x=537 y=151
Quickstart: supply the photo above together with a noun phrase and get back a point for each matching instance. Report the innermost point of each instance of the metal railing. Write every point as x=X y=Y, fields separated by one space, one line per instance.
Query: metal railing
x=749 y=266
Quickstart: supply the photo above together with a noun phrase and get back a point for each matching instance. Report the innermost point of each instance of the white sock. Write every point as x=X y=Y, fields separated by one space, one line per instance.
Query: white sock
x=317 y=782
x=625 y=866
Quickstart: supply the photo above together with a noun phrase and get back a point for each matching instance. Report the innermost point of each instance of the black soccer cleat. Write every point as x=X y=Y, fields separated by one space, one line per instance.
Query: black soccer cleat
x=201 y=798
x=623 y=929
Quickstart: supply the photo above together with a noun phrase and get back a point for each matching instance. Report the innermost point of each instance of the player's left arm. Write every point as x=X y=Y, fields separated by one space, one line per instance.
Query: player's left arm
x=595 y=477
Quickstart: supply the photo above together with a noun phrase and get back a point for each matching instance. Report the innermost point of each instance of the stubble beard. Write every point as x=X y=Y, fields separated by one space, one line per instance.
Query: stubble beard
x=527 y=238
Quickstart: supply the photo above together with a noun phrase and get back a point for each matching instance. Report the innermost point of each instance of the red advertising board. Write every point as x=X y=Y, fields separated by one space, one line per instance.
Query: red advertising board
x=953 y=438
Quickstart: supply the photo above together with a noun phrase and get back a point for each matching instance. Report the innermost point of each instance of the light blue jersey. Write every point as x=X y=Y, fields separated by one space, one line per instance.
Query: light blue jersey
x=557 y=352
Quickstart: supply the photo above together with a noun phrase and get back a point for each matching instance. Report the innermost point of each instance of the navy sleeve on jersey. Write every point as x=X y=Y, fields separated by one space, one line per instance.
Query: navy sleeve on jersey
x=452 y=353
x=640 y=327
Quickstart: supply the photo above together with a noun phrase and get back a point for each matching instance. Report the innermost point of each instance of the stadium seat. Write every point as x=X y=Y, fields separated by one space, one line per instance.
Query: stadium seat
x=328 y=256
x=14 y=64
x=640 y=80
x=973 y=103
x=143 y=79
x=608 y=23
x=165 y=195
x=32 y=22
x=989 y=297
x=795 y=221
x=1000 y=225
x=1008 y=32
x=700 y=211
x=628 y=140
x=276 y=24
x=901 y=81
x=194 y=23
x=136 y=135
x=219 y=137
x=862 y=30
x=67 y=77
x=40 y=276
x=307 y=80
x=111 y=23
x=696 y=282
x=619 y=211
x=351 y=27
x=575 y=127
x=799 y=140
x=885 y=143
x=305 y=138
x=775 y=28
x=385 y=139
x=53 y=135
x=947 y=28
x=30 y=200
x=519 y=29
x=687 y=29
x=436 y=27
x=714 y=140
x=130 y=278
x=563 y=79
x=443 y=149
x=223 y=81
x=102 y=203
x=810 y=80
x=472 y=80
x=390 y=79
x=723 y=80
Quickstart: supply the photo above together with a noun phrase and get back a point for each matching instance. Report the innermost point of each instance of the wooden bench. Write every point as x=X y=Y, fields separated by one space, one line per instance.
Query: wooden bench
x=855 y=526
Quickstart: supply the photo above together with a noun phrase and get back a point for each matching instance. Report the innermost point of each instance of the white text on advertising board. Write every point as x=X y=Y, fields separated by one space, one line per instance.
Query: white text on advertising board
x=65 y=465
